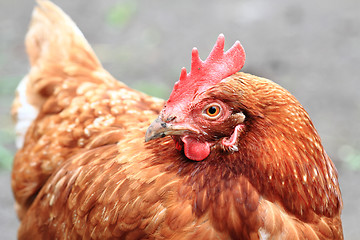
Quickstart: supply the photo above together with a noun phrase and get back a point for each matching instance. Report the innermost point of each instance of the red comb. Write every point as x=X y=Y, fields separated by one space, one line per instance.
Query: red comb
x=204 y=74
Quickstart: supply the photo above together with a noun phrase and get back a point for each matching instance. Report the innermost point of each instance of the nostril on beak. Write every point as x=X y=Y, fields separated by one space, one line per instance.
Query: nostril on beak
x=156 y=130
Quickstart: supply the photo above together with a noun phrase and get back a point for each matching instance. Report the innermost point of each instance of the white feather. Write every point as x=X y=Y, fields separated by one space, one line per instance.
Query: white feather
x=263 y=234
x=26 y=113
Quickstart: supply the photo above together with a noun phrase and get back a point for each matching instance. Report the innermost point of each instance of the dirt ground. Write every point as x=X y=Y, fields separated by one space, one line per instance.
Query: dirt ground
x=310 y=48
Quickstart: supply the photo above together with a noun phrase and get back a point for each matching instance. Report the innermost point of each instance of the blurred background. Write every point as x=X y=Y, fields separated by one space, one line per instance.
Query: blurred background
x=309 y=47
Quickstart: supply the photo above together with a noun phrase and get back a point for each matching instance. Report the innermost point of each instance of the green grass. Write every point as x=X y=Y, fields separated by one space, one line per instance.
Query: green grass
x=155 y=90
x=121 y=13
x=351 y=156
x=7 y=134
x=6 y=158
x=7 y=141
x=8 y=85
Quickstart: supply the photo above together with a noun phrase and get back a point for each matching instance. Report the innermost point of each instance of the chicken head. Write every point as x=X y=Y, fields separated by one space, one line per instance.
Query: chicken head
x=193 y=115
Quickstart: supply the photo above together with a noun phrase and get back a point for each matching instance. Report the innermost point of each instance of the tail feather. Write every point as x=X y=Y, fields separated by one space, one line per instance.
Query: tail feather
x=57 y=50
x=54 y=37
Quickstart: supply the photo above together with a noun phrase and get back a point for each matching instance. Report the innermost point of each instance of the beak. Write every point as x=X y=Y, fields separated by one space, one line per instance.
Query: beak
x=160 y=129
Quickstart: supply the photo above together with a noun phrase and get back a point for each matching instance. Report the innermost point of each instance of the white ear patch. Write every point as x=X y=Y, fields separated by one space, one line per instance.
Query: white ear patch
x=25 y=113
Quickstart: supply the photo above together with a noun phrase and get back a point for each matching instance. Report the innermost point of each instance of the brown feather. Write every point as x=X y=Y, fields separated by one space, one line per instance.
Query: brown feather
x=85 y=172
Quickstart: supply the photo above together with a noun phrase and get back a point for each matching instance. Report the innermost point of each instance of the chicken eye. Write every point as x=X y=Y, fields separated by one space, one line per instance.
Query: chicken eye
x=212 y=111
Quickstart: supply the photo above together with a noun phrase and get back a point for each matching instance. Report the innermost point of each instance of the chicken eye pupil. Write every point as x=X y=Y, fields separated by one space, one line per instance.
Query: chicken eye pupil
x=212 y=110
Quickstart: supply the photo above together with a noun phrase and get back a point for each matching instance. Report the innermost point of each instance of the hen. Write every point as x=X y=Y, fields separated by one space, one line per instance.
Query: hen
x=229 y=156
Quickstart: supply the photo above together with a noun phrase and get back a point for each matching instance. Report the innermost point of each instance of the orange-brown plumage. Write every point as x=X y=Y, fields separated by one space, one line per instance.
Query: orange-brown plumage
x=84 y=170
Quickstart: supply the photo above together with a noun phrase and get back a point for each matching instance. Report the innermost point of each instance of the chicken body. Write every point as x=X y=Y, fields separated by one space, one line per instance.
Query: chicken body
x=84 y=171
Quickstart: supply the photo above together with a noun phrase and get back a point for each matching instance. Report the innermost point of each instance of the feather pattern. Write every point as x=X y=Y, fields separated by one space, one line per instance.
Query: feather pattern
x=84 y=170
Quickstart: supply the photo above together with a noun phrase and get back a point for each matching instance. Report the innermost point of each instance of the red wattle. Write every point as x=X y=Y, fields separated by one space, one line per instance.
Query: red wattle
x=195 y=149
